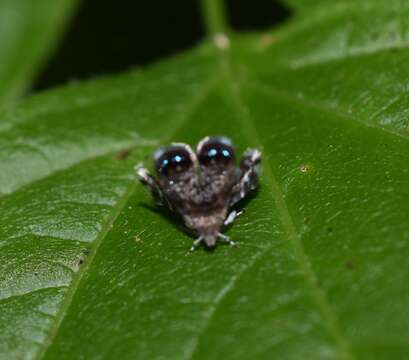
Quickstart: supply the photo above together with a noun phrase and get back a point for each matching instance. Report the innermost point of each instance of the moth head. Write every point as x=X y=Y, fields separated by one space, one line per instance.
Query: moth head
x=215 y=151
x=173 y=161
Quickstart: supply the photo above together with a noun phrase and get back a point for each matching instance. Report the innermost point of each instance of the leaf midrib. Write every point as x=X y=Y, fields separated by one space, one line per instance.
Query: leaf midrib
x=317 y=293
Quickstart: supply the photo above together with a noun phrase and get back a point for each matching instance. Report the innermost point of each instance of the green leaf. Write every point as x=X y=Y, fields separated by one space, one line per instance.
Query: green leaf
x=306 y=5
x=89 y=268
x=28 y=31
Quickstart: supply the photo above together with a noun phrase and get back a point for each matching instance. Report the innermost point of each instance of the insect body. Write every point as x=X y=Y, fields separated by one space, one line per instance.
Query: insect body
x=203 y=186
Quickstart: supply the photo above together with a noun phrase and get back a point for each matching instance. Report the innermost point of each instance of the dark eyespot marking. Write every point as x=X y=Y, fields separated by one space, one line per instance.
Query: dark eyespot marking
x=215 y=151
x=173 y=160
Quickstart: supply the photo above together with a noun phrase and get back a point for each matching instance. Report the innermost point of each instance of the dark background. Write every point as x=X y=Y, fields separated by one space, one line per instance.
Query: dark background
x=108 y=36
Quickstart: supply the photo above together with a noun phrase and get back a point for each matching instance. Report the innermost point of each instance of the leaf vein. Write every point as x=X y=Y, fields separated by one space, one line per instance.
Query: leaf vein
x=220 y=296
x=31 y=292
x=273 y=92
x=196 y=101
x=77 y=279
x=318 y=293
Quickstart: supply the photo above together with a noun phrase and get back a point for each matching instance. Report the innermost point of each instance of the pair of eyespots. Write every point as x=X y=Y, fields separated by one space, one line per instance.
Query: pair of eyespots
x=215 y=151
x=212 y=151
x=175 y=159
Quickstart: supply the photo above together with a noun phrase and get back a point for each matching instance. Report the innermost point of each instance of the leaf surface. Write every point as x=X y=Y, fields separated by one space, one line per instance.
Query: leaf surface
x=90 y=269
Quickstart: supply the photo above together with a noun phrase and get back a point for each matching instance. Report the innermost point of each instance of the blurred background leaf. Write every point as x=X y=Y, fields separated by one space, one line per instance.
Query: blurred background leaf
x=28 y=33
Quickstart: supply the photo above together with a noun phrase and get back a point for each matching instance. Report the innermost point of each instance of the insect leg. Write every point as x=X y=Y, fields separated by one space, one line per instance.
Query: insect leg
x=148 y=180
x=232 y=216
x=196 y=243
x=226 y=239
x=249 y=171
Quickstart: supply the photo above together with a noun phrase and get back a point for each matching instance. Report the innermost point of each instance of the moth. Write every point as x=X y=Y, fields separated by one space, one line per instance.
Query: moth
x=203 y=186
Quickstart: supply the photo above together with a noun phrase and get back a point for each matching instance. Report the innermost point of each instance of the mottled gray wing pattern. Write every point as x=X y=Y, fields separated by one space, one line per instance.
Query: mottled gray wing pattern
x=218 y=171
x=176 y=168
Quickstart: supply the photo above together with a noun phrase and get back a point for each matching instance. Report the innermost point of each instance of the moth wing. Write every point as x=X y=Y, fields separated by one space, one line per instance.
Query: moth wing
x=176 y=168
x=218 y=171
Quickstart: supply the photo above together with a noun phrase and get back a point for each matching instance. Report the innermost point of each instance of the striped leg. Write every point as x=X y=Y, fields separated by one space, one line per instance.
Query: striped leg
x=249 y=172
x=226 y=239
x=232 y=216
x=149 y=181
x=195 y=245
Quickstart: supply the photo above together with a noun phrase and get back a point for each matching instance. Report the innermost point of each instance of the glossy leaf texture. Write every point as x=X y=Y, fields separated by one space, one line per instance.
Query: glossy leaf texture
x=90 y=268
x=28 y=31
